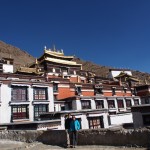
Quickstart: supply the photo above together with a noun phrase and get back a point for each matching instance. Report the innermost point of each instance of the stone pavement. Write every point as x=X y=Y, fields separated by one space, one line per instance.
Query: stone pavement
x=14 y=145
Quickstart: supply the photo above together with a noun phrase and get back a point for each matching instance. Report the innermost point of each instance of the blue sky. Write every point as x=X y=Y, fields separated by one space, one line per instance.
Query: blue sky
x=108 y=32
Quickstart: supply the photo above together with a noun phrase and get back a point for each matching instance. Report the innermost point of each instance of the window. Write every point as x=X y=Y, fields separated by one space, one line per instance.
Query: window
x=99 y=104
x=86 y=104
x=82 y=81
x=50 y=69
x=113 y=91
x=71 y=71
x=57 y=70
x=136 y=101
x=62 y=107
x=40 y=93
x=111 y=104
x=39 y=109
x=64 y=70
x=69 y=105
x=95 y=122
x=78 y=90
x=55 y=87
x=133 y=91
x=146 y=101
x=77 y=72
x=98 y=90
x=146 y=119
x=19 y=93
x=20 y=112
x=128 y=103
x=125 y=90
x=120 y=103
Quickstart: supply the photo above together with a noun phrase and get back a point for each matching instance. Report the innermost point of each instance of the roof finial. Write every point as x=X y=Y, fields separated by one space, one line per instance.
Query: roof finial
x=62 y=51
x=145 y=81
x=44 y=47
x=54 y=48
x=36 y=61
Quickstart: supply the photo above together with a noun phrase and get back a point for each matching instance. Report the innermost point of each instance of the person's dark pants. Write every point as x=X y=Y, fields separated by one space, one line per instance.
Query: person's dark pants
x=74 y=138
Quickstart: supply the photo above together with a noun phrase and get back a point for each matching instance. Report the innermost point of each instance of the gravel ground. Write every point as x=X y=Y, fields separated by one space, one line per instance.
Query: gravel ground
x=14 y=145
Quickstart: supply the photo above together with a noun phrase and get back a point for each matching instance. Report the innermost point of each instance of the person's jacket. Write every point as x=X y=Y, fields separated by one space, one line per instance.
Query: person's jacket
x=74 y=125
x=67 y=123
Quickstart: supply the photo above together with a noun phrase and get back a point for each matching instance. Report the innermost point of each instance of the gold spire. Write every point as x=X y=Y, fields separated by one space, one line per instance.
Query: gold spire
x=36 y=61
x=54 y=48
x=145 y=81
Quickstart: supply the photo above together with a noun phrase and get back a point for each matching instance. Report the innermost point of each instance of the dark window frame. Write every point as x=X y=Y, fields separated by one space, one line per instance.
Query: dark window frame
x=125 y=90
x=111 y=103
x=99 y=104
x=19 y=93
x=96 y=122
x=38 y=111
x=99 y=91
x=146 y=119
x=57 y=70
x=136 y=102
x=55 y=87
x=120 y=103
x=86 y=104
x=19 y=112
x=128 y=103
x=39 y=92
x=133 y=91
x=113 y=91
x=78 y=90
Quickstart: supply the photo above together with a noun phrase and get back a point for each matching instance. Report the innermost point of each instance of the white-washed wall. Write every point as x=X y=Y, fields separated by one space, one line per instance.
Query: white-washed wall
x=118 y=119
x=84 y=121
x=5 y=105
x=5 y=109
x=76 y=105
x=8 y=68
x=51 y=99
x=31 y=107
x=93 y=106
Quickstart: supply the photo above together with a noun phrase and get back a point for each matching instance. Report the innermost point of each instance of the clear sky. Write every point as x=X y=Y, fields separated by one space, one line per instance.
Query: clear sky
x=108 y=32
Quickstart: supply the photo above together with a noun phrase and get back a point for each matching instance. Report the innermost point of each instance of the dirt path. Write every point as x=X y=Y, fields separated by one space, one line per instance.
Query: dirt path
x=14 y=145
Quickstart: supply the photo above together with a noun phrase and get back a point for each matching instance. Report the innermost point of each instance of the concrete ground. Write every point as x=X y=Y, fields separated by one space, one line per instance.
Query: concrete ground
x=14 y=145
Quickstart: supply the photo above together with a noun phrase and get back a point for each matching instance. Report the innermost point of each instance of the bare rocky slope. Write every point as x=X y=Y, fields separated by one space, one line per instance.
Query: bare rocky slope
x=103 y=71
x=22 y=58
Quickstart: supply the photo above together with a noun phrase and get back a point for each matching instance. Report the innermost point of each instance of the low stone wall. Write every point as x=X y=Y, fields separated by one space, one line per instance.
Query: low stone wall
x=117 y=137
x=121 y=137
x=51 y=137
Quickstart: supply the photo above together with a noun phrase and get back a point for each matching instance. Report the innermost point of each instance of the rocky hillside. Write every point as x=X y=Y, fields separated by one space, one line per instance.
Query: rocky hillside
x=103 y=71
x=20 y=57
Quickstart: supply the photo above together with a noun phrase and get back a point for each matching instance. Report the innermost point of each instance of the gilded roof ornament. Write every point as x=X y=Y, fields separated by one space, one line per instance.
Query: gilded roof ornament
x=54 y=48
x=44 y=49
x=36 y=61
x=62 y=51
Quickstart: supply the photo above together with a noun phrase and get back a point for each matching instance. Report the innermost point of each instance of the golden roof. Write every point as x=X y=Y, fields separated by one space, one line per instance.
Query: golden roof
x=127 y=77
x=122 y=74
x=28 y=70
x=132 y=79
x=57 y=54
x=73 y=63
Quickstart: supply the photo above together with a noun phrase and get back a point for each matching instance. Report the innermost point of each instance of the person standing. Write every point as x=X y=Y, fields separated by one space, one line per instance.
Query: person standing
x=74 y=127
x=68 y=120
